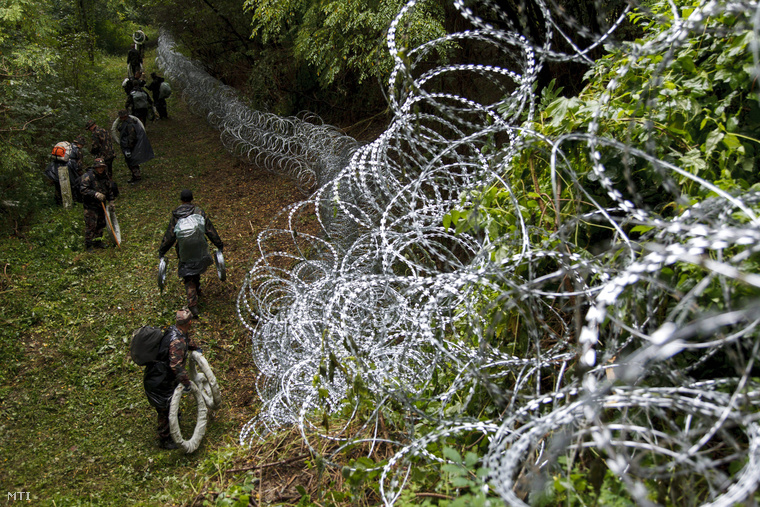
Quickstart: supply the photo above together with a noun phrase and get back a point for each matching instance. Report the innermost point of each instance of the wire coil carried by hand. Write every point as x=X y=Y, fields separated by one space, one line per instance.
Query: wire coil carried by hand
x=207 y=395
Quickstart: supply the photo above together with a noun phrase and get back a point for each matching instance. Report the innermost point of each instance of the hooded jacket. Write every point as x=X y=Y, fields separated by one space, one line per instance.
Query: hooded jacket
x=189 y=267
x=130 y=134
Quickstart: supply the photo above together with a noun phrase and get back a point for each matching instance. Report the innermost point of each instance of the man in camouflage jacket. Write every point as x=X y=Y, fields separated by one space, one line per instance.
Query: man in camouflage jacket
x=95 y=188
x=163 y=376
x=102 y=147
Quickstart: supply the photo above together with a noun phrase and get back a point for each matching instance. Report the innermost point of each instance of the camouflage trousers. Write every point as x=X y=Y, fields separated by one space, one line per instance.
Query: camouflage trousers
x=162 y=427
x=94 y=223
x=192 y=289
x=109 y=167
x=135 y=170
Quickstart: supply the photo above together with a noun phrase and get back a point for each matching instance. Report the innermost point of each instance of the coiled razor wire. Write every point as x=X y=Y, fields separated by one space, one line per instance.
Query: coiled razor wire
x=304 y=149
x=387 y=304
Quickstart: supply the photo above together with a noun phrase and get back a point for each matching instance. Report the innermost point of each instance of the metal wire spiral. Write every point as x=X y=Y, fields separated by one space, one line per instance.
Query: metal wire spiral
x=388 y=304
x=303 y=148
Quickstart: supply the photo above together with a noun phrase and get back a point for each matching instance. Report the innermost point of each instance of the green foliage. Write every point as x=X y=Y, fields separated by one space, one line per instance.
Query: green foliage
x=694 y=108
x=362 y=475
x=27 y=38
x=112 y=36
x=215 y=33
x=579 y=487
x=50 y=83
x=341 y=36
x=239 y=495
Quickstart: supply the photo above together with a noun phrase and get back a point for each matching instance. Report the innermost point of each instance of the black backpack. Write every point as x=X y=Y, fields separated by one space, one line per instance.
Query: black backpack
x=146 y=344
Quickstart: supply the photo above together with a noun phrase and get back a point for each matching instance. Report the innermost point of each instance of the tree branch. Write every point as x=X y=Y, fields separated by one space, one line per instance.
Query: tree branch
x=244 y=40
x=268 y=465
x=25 y=124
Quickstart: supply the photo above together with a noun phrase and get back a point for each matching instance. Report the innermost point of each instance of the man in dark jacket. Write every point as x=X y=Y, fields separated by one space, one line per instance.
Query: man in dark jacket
x=134 y=143
x=96 y=190
x=101 y=147
x=189 y=227
x=77 y=154
x=139 y=102
x=158 y=99
x=52 y=173
x=163 y=375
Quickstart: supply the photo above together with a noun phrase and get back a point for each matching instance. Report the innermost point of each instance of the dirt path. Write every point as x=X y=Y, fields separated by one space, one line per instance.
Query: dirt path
x=75 y=425
x=240 y=200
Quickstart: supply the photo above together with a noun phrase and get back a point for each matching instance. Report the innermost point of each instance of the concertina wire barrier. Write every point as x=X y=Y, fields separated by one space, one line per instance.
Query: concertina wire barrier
x=389 y=303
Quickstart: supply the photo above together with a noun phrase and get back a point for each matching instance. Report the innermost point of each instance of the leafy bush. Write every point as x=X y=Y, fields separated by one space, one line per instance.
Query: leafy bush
x=340 y=37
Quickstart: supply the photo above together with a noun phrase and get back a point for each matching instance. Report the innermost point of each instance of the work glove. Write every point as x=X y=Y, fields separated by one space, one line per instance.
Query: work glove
x=100 y=197
x=128 y=153
x=187 y=388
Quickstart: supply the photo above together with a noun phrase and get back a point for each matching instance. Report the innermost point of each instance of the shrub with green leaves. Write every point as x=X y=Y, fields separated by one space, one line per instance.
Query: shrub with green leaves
x=339 y=36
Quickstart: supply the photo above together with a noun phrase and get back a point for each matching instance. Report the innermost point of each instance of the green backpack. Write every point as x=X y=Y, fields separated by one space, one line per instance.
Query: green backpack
x=139 y=99
x=164 y=90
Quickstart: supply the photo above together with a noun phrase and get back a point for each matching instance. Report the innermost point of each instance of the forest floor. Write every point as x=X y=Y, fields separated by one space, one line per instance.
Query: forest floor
x=75 y=426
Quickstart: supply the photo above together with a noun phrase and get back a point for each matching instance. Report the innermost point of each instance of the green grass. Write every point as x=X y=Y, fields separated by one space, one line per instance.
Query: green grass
x=75 y=426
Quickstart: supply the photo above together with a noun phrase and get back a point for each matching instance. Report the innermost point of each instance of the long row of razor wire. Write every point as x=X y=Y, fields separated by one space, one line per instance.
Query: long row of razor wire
x=543 y=355
x=302 y=148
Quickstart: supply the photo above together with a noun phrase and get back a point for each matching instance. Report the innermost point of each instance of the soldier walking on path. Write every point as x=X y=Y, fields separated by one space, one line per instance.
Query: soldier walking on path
x=101 y=147
x=162 y=376
x=134 y=62
x=160 y=89
x=96 y=191
x=189 y=227
x=139 y=102
x=129 y=132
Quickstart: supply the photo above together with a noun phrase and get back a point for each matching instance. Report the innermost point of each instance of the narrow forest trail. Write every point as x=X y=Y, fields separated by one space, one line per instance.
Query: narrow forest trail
x=241 y=200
